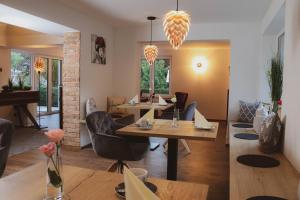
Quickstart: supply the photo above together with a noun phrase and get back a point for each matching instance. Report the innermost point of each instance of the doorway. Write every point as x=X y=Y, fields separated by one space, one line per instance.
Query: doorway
x=50 y=82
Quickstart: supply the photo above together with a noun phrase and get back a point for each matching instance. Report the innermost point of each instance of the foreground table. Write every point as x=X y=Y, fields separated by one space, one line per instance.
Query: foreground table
x=162 y=128
x=86 y=184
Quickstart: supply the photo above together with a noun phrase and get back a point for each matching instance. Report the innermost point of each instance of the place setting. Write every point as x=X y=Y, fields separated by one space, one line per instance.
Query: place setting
x=136 y=185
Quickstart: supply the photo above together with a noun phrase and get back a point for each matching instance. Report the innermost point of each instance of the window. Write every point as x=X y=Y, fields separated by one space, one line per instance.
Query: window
x=157 y=77
x=21 y=67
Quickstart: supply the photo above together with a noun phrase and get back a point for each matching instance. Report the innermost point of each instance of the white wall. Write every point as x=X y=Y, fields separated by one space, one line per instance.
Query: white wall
x=272 y=27
x=245 y=44
x=291 y=82
x=95 y=80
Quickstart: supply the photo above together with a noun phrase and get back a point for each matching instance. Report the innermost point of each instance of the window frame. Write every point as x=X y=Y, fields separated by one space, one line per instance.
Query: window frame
x=152 y=74
x=32 y=81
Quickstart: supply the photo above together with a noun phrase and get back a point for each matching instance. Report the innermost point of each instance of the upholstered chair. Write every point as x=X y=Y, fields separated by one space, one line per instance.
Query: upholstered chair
x=102 y=130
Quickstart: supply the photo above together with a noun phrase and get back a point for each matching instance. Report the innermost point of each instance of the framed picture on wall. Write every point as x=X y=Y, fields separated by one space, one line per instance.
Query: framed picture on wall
x=98 y=49
x=281 y=48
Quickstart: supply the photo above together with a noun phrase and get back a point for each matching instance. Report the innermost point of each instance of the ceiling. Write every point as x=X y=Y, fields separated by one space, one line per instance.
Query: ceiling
x=124 y=12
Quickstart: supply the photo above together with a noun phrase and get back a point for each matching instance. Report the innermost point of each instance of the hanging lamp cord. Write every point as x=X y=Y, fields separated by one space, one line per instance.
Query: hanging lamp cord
x=177 y=6
x=151 y=34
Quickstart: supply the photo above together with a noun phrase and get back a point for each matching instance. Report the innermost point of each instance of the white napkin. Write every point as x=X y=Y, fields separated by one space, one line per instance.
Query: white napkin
x=148 y=116
x=161 y=101
x=135 y=188
x=200 y=121
x=134 y=100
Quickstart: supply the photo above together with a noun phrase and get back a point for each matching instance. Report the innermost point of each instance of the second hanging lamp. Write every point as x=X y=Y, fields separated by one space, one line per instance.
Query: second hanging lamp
x=150 y=50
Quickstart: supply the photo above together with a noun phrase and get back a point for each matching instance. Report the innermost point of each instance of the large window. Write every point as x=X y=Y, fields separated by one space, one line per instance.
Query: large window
x=156 y=76
x=21 y=63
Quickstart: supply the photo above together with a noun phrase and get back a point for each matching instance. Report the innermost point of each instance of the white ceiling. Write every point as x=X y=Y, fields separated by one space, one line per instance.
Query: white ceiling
x=18 y=18
x=126 y=12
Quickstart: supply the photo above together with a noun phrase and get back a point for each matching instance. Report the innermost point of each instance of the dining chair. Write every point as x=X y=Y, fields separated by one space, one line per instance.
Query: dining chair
x=188 y=115
x=181 y=98
x=105 y=142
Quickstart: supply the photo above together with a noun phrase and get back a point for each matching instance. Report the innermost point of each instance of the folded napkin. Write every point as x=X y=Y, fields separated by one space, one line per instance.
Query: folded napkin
x=200 y=121
x=161 y=101
x=135 y=188
x=134 y=100
x=148 y=116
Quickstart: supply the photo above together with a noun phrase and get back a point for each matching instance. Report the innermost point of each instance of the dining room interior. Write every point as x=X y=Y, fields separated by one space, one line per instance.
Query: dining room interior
x=146 y=100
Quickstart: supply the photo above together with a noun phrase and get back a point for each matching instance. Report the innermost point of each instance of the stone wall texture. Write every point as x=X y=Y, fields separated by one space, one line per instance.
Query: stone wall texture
x=71 y=89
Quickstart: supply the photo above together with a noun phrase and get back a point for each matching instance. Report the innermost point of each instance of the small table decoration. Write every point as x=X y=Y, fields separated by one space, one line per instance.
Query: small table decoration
x=52 y=151
x=175 y=114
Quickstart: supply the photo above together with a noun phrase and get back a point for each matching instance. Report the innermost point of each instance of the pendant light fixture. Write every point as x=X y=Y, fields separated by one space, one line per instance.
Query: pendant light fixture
x=150 y=50
x=176 y=26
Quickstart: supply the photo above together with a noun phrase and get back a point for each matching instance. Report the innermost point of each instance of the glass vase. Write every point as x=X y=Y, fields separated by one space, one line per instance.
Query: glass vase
x=175 y=118
x=54 y=189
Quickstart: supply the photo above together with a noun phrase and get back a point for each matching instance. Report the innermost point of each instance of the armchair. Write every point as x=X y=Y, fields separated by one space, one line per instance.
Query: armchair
x=106 y=143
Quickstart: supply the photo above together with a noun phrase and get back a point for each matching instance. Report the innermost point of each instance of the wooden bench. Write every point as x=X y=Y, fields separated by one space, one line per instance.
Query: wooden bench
x=246 y=182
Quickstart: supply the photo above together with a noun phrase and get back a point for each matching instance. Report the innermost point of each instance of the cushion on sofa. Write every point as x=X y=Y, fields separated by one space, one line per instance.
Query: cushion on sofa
x=247 y=111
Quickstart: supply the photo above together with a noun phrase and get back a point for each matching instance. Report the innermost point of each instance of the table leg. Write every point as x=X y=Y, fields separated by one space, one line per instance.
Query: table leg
x=172 y=159
x=29 y=115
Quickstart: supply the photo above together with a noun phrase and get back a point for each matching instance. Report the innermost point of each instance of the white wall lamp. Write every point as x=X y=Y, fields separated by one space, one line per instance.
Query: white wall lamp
x=200 y=64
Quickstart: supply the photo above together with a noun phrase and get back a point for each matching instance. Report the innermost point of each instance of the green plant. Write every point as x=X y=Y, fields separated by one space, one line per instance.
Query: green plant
x=275 y=77
x=21 y=83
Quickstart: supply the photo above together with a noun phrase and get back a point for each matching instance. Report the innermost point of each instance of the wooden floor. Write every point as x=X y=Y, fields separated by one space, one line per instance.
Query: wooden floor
x=208 y=163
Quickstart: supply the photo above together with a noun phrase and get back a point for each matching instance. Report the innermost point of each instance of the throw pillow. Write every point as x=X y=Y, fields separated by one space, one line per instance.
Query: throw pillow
x=247 y=111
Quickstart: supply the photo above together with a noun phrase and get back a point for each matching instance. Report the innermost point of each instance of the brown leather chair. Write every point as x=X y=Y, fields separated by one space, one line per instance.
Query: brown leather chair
x=6 y=131
x=181 y=100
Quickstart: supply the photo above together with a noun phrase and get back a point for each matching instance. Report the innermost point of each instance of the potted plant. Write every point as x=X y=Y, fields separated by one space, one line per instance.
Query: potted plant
x=275 y=77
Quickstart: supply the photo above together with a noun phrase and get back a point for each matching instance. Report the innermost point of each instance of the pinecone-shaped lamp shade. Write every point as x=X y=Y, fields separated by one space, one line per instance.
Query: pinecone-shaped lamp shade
x=150 y=53
x=39 y=65
x=176 y=27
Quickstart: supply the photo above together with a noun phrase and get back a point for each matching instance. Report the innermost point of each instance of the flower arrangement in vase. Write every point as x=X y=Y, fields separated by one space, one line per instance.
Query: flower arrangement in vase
x=52 y=151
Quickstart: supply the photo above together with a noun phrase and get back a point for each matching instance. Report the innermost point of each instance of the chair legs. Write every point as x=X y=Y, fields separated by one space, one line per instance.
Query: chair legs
x=186 y=146
x=117 y=167
x=184 y=143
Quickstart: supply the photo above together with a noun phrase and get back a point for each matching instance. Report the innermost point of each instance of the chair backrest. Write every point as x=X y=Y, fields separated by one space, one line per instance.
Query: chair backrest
x=189 y=112
x=181 y=99
x=98 y=122
x=113 y=102
x=6 y=131
x=90 y=106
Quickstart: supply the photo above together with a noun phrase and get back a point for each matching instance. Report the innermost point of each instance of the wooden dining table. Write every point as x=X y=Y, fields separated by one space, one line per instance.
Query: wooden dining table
x=88 y=184
x=163 y=128
x=146 y=106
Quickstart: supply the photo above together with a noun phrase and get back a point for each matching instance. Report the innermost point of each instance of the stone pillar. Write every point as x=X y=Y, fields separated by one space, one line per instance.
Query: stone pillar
x=71 y=89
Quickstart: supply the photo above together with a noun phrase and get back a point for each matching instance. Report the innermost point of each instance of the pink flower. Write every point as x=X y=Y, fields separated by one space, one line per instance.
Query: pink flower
x=279 y=102
x=55 y=135
x=48 y=149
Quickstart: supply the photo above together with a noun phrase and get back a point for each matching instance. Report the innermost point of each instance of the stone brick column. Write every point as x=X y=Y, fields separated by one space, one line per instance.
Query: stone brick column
x=71 y=89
